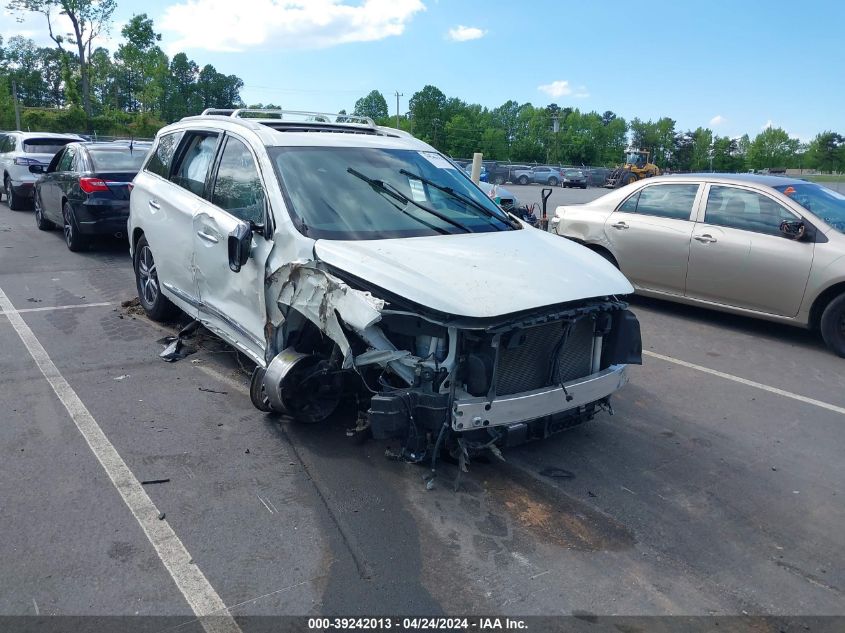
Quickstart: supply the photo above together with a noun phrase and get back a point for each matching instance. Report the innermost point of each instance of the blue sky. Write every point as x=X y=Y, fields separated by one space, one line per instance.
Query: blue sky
x=732 y=66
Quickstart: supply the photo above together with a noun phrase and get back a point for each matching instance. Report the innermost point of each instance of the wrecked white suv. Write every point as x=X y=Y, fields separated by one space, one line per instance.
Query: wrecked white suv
x=350 y=259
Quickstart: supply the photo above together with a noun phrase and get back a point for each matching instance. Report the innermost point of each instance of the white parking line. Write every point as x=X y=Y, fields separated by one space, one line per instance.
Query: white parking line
x=49 y=308
x=749 y=383
x=188 y=577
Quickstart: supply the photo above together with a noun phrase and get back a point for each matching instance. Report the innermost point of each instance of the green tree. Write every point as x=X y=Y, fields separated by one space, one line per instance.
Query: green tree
x=772 y=148
x=89 y=18
x=826 y=152
x=427 y=112
x=373 y=105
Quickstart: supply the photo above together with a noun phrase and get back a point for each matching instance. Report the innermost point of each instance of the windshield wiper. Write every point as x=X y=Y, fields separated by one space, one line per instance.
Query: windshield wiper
x=459 y=196
x=394 y=193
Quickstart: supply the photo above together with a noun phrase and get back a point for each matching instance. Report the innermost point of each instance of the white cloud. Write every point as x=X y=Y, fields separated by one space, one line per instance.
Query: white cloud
x=718 y=120
x=767 y=125
x=463 y=33
x=34 y=26
x=561 y=88
x=222 y=25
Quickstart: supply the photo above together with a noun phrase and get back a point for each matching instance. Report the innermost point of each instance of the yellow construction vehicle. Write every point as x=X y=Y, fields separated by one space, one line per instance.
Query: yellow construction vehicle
x=636 y=167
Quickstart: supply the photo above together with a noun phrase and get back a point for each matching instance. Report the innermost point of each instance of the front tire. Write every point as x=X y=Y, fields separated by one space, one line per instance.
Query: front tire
x=155 y=304
x=832 y=325
x=522 y=180
x=553 y=182
x=73 y=238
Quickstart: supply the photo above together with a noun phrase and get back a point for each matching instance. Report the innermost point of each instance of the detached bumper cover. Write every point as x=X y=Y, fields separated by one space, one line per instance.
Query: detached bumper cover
x=476 y=413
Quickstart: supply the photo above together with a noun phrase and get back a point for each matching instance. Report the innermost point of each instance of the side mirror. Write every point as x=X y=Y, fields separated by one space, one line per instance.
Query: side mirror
x=36 y=169
x=793 y=229
x=240 y=244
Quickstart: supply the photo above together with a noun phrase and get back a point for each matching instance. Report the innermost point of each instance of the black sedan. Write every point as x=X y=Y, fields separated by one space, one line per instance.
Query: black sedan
x=85 y=189
x=574 y=178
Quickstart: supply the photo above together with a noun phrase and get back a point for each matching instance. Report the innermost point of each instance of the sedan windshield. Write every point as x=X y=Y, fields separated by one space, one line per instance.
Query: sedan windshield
x=360 y=193
x=825 y=203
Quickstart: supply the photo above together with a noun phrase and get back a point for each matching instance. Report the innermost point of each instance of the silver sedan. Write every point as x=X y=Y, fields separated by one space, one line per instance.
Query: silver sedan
x=763 y=246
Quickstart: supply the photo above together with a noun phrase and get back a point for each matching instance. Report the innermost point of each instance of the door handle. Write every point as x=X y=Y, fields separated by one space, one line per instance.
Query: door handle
x=705 y=239
x=620 y=225
x=208 y=237
x=154 y=204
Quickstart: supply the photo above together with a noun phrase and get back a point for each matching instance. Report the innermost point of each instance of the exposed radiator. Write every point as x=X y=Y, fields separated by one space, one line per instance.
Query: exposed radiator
x=526 y=356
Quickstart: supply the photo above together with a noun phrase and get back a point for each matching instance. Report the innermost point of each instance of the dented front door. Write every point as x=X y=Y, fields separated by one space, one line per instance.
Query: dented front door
x=232 y=303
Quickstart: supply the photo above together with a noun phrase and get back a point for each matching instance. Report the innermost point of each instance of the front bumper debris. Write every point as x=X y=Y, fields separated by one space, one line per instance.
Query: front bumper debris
x=477 y=413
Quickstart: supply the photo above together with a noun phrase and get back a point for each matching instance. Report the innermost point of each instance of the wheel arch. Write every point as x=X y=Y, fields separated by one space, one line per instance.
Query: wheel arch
x=820 y=303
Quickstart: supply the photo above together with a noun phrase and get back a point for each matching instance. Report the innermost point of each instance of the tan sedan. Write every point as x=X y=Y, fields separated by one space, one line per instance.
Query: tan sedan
x=763 y=246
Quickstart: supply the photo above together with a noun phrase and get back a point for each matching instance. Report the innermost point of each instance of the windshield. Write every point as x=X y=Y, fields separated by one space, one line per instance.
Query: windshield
x=825 y=203
x=356 y=193
x=573 y=173
x=118 y=158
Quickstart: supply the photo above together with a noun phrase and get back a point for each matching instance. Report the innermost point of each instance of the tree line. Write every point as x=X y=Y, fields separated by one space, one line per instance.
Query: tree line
x=73 y=85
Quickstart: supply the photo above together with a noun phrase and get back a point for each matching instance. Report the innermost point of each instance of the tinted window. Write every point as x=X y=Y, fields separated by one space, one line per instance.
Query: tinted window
x=117 y=158
x=743 y=209
x=44 y=145
x=238 y=188
x=665 y=201
x=7 y=143
x=66 y=161
x=192 y=170
x=162 y=156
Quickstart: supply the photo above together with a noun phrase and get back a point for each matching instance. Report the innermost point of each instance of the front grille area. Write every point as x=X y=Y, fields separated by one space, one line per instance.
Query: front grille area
x=526 y=356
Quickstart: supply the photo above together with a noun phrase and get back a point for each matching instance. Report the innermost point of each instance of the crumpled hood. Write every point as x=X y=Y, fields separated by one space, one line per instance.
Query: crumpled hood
x=479 y=274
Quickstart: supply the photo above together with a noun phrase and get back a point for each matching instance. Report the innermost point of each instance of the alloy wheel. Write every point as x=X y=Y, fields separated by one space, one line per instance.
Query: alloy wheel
x=68 y=228
x=148 y=276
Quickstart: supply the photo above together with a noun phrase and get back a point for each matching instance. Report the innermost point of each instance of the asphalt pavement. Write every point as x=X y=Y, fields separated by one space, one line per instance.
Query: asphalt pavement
x=716 y=488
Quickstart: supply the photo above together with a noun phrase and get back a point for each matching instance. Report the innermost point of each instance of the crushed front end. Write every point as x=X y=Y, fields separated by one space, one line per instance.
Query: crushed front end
x=427 y=378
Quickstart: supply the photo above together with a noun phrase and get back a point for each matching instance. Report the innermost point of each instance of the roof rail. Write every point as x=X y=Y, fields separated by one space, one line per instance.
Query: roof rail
x=217 y=112
x=293 y=116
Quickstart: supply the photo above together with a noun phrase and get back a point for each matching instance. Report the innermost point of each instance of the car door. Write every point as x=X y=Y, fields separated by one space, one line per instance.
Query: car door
x=738 y=257
x=233 y=303
x=53 y=185
x=649 y=235
x=168 y=224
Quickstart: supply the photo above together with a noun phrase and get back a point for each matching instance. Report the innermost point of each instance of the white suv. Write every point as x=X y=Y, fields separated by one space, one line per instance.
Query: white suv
x=19 y=150
x=342 y=256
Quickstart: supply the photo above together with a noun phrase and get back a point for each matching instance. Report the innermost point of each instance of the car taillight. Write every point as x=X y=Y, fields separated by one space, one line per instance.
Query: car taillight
x=90 y=185
x=20 y=160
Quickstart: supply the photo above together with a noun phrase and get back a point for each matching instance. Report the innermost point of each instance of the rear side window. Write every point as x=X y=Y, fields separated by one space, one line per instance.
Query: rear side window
x=195 y=161
x=44 y=145
x=66 y=161
x=663 y=201
x=238 y=188
x=742 y=209
x=162 y=156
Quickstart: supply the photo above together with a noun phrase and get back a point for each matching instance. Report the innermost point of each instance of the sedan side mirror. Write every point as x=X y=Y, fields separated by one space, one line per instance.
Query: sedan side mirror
x=793 y=229
x=36 y=169
x=240 y=244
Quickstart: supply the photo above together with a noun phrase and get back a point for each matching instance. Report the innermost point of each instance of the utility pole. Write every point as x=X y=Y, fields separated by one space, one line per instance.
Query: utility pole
x=398 y=94
x=17 y=106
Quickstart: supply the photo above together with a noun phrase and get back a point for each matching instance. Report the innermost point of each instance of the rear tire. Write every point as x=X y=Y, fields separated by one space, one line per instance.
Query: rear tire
x=15 y=202
x=522 y=180
x=73 y=238
x=607 y=255
x=155 y=304
x=40 y=221
x=499 y=180
x=832 y=325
